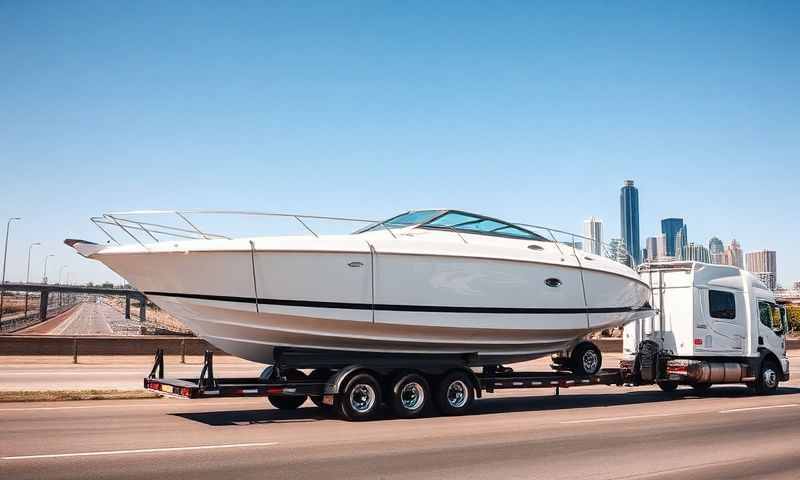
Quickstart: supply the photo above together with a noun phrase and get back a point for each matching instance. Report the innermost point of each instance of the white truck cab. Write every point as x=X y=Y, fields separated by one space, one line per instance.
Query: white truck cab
x=714 y=324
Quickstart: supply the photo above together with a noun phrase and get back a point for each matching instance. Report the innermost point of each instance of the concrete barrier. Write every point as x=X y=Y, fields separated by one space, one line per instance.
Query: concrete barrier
x=102 y=345
x=147 y=345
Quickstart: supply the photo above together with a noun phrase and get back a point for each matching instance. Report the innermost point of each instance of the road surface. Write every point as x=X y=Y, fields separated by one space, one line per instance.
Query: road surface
x=88 y=318
x=593 y=432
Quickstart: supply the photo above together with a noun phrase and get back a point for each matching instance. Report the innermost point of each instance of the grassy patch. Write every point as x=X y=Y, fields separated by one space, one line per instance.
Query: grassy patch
x=61 y=395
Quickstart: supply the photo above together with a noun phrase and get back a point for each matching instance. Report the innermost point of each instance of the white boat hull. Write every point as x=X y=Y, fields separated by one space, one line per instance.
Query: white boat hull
x=379 y=294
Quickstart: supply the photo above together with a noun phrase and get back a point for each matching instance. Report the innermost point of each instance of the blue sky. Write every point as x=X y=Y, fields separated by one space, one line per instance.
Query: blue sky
x=528 y=111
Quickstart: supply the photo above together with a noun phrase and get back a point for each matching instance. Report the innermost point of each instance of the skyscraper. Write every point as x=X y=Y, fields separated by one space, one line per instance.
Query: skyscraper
x=670 y=228
x=662 y=247
x=629 y=220
x=733 y=255
x=695 y=252
x=764 y=264
x=651 y=244
x=715 y=245
x=681 y=243
x=593 y=229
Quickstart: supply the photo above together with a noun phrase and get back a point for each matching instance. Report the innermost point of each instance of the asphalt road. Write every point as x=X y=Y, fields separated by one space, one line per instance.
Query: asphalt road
x=87 y=318
x=593 y=432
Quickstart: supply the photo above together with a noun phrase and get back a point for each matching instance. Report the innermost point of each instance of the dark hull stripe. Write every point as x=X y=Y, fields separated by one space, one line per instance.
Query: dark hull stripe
x=398 y=308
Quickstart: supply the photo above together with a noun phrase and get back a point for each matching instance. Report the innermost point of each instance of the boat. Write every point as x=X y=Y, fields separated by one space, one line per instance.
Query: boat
x=436 y=281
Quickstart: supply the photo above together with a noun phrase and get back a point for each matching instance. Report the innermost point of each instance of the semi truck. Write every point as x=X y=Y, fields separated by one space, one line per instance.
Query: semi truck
x=711 y=324
x=715 y=324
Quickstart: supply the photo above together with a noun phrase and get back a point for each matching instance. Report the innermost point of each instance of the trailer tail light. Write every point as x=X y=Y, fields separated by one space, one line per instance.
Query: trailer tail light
x=698 y=341
x=185 y=392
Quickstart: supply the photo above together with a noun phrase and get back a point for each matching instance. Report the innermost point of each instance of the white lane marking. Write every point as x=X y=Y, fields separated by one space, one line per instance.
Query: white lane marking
x=765 y=407
x=143 y=450
x=616 y=419
x=137 y=405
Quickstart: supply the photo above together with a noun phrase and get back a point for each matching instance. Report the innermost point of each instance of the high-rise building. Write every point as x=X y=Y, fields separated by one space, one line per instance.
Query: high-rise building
x=681 y=243
x=764 y=264
x=651 y=245
x=733 y=255
x=662 y=248
x=618 y=252
x=695 y=252
x=716 y=249
x=629 y=220
x=593 y=231
x=670 y=228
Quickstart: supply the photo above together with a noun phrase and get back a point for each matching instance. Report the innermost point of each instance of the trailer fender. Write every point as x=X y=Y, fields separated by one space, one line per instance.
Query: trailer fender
x=475 y=382
x=336 y=383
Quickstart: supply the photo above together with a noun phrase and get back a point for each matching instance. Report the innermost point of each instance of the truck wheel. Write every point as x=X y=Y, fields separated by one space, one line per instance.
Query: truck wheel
x=586 y=359
x=410 y=394
x=360 y=399
x=668 y=387
x=289 y=402
x=319 y=375
x=767 y=381
x=701 y=388
x=455 y=393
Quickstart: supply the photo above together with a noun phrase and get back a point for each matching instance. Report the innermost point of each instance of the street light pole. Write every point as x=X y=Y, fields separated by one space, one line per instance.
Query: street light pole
x=5 y=255
x=28 y=278
x=44 y=274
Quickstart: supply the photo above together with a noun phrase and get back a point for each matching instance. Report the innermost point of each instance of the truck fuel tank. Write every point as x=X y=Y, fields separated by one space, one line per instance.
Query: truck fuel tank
x=700 y=371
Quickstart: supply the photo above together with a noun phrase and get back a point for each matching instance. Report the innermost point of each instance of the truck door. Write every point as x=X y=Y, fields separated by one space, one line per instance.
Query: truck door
x=722 y=328
x=770 y=328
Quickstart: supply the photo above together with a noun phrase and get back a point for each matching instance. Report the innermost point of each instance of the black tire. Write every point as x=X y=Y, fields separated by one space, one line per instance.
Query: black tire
x=701 y=388
x=768 y=378
x=318 y=376
x=410 y=395
x=586 y=359
x=455 y=393
x=668 y=386
x=289 y=402
x=360 y=399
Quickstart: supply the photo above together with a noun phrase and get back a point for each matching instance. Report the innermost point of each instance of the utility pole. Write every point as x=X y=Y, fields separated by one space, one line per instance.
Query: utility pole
x=5 y=255
x=60 y=296
x=44 y=274
x=28 y=277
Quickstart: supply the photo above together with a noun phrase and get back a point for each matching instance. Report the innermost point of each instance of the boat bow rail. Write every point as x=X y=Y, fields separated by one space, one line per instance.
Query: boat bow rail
x=144 y=226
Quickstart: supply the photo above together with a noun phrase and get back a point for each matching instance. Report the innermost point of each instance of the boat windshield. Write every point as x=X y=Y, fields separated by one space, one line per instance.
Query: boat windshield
x=404 y=220
x=472 y=223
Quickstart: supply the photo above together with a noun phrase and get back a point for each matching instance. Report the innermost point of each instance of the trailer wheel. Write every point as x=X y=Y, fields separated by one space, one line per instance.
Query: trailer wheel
x=410 y=396
x=668 y=386
x=455 y=393
x=767 y=381
x=360 y=399
x=318 y=376
x=701 y=388
x=289 y=402
x=586 y=359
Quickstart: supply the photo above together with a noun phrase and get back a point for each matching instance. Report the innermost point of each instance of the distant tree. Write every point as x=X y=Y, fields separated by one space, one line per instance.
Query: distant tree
x=107 y=285
x=90 y=284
